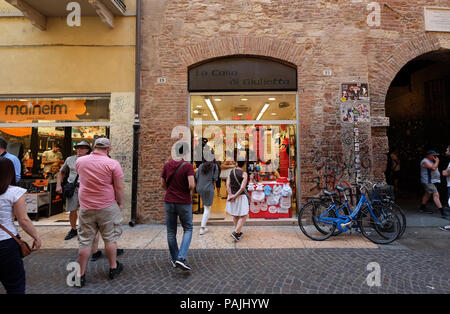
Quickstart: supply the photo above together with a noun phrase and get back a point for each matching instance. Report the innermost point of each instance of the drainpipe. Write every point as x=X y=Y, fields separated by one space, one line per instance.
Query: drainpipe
x=136 y=124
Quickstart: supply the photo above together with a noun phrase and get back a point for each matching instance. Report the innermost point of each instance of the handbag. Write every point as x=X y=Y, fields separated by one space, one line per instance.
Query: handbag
x=25 y=249
x=69 y=188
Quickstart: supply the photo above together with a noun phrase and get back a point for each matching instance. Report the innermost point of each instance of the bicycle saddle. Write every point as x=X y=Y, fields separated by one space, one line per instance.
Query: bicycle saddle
x=329 y=193
x=340 y=188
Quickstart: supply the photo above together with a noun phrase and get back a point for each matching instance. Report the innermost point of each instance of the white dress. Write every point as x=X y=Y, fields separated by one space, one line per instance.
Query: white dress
x=240 y=205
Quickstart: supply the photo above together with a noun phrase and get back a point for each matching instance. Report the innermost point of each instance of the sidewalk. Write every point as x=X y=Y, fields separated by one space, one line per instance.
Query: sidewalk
x=255 y=237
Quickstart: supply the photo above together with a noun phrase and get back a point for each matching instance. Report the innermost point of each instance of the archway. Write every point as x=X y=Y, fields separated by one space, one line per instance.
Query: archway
x=418 y=106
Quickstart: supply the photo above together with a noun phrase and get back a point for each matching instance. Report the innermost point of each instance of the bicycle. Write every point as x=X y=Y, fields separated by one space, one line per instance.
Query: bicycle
x=381 y=200
x=318 y=220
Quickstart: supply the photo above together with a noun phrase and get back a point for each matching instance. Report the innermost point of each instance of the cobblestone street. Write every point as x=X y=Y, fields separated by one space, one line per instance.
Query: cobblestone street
x=241 y=269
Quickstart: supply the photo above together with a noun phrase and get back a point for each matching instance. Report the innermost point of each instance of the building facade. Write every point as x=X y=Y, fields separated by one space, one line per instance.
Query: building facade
x=345 y=55
x=67 y=75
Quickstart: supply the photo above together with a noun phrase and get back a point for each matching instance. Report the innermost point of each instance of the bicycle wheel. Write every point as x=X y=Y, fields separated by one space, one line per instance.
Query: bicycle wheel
x=309 y=224
x=392 y=208
x=384 y=230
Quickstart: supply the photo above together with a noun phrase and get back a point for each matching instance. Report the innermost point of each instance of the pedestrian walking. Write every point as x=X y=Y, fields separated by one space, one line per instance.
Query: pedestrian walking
x=14 y=159
x=430 y=176
x=238 y=200
x=101 y=201
x=68 y=169
x=177 y=179
x=12 y=204
x=206 y=175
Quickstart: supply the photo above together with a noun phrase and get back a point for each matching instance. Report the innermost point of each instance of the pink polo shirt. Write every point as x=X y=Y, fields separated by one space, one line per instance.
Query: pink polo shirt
x=96 y=172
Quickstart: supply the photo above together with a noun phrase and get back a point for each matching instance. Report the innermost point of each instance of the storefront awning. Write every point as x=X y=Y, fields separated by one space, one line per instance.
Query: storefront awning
x=37 y=11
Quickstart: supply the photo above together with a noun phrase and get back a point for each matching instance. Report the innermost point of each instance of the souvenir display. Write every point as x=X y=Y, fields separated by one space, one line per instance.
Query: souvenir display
x=270 y=199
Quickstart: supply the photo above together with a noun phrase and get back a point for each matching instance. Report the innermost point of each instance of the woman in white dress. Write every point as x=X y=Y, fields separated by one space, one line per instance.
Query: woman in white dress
x=238 y=201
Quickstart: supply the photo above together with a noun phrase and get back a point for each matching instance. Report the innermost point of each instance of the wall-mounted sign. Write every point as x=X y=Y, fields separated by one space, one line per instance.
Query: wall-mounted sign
x=54 y=110
x=161 y=80
x=437 y=19
x=242 y=73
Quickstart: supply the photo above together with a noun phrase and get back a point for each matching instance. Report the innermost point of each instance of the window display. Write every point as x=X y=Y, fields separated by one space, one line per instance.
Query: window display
x=266 y=139
x=40 y=132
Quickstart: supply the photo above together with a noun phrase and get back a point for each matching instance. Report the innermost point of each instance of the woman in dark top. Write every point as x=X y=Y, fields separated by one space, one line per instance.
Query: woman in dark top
x=205 y=176
x=238 y=202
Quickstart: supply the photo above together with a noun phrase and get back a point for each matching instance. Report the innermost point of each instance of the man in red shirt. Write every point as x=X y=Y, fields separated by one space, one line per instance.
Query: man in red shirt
x=101 y=200
x=177 y=179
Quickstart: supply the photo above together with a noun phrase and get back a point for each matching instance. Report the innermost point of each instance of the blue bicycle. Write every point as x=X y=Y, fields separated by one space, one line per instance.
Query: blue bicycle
x=319 y=220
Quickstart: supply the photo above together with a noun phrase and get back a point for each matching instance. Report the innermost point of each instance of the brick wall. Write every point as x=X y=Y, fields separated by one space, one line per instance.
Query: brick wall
x=313 y=35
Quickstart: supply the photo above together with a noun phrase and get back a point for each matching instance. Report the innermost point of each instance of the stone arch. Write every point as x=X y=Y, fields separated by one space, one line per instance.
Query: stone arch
x=380 y=78
x=384 y=73
x=228 y=46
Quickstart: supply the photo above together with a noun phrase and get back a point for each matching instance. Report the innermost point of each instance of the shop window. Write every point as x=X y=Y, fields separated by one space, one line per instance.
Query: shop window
x=42 y=133
x=260 y=128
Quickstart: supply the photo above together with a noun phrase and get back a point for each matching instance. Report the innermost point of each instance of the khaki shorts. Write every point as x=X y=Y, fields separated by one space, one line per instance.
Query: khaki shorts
x=430 y=188
x=107 y=221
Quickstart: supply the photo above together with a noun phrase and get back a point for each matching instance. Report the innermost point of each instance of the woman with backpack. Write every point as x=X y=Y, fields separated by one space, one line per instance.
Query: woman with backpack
x=206 y=175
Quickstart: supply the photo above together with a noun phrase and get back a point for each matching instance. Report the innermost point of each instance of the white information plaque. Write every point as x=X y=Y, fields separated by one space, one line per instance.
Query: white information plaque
x=437 y=19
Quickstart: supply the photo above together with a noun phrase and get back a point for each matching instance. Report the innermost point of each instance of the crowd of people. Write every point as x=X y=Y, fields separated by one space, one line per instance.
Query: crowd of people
x=96 y=202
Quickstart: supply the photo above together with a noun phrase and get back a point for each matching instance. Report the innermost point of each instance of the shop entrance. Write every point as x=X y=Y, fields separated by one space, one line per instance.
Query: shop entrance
x=42 y=133
x=260 y=128
x=418 y=105
x=245 y=108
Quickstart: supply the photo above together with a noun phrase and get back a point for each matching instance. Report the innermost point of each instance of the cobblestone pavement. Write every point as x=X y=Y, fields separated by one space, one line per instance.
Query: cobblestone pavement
x=255 y=268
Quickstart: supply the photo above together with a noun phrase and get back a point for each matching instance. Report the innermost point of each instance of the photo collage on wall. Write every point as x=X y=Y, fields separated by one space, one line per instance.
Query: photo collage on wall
x=355 y=108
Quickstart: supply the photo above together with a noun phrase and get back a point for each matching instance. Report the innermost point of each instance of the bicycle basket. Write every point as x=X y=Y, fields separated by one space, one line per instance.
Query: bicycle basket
x=380 y=192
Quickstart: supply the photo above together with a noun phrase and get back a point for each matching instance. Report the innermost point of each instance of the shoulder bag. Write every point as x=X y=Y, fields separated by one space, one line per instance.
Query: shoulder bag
x=245 y=190
x=176 y=171
x=25 y=249
x=69 y=188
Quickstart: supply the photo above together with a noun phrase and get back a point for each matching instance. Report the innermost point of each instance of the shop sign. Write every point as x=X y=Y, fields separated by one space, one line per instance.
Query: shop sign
x=50 y=110
x=239 y=73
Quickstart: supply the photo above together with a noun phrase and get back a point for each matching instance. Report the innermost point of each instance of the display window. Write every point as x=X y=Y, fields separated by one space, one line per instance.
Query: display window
x=260 y=128
x=42 y=133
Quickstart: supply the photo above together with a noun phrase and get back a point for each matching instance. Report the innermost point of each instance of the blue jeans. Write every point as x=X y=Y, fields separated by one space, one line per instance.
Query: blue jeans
x=12 y=272
x=173 y=211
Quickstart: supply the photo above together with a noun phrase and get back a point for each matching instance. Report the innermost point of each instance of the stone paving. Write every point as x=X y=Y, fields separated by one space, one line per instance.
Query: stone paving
x=268 y=260
x=248 y=271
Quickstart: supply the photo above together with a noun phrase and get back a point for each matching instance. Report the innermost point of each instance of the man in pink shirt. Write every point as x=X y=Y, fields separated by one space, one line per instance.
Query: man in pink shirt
x=101 y=200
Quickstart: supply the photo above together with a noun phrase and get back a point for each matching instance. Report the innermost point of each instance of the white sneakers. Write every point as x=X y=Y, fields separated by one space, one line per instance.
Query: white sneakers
x=203 y=231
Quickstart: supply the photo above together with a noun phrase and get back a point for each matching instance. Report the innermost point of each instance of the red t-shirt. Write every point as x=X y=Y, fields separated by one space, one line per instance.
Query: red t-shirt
x=178 y=190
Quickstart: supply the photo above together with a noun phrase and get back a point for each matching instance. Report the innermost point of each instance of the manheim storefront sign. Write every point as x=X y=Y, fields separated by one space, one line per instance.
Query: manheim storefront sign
x=240 y=73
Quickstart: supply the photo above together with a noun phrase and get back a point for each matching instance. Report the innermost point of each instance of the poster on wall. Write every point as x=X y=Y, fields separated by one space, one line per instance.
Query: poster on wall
x=354 y=91
x=355 y=112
